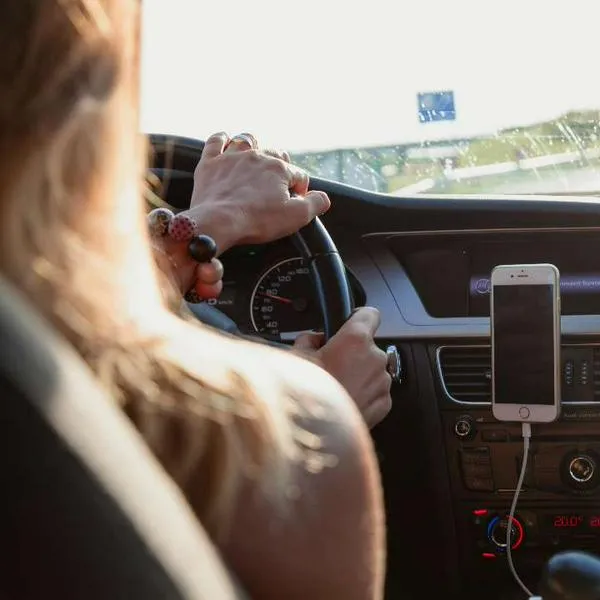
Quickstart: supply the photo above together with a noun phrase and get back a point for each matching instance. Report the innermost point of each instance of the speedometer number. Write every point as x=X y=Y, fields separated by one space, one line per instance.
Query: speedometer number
x=283 y=300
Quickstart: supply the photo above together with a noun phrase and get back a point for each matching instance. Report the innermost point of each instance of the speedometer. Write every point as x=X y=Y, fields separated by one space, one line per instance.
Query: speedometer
x=283 y=301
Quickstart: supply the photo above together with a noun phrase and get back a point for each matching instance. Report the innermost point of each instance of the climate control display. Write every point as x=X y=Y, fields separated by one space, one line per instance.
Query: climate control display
x=534 y=529
x=574 y=522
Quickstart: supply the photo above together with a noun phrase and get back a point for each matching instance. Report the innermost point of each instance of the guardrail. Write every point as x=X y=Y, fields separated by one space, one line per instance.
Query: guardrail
x=527 y=164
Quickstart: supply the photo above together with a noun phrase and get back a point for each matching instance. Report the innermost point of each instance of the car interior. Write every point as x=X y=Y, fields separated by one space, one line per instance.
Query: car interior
x=451 y=138
x=449 y=467
x=92 y=502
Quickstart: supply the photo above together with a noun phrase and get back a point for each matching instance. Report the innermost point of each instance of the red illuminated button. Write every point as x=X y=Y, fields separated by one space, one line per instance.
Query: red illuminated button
x=480 y=516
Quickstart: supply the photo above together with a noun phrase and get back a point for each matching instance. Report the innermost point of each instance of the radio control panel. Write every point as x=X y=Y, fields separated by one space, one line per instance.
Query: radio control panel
x=485 y=457
x=559 y=504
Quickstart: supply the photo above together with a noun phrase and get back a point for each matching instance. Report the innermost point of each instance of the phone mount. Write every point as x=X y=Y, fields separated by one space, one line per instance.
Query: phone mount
x=571 y=576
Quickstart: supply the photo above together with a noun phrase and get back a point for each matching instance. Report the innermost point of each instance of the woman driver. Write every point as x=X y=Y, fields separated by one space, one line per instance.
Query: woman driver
x=268 y=448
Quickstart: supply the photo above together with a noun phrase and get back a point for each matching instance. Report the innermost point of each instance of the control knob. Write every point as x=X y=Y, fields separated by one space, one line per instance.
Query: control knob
x=463 y=427
x=497 y=530
x=582 y=469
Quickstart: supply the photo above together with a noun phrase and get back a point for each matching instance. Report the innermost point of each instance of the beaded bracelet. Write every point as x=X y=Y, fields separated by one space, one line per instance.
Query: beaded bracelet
x=182 y=228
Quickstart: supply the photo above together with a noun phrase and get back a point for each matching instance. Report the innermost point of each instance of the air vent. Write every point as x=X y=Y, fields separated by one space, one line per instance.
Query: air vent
x=466 y=373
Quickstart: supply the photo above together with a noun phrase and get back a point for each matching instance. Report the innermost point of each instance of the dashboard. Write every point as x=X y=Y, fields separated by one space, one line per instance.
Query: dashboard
x=448 y=467
x=268 y=291
x=440 y=280
x=451 y=273
x=429 y=284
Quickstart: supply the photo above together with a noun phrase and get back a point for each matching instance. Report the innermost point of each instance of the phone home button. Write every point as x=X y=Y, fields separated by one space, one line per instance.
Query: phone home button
x=524 y=412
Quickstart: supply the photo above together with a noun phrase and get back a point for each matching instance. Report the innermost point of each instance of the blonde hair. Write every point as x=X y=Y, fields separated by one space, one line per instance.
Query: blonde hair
x=68 y=118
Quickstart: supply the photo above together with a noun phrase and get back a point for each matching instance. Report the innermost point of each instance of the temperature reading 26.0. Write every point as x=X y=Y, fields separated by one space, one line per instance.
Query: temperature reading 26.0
x=561 y=521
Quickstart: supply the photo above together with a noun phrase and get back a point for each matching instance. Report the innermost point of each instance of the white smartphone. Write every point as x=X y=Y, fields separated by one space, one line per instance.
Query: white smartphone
x=525 y=320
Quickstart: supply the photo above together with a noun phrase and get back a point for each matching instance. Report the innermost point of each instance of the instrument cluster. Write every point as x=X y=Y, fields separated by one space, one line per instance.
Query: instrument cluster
x=267 y=291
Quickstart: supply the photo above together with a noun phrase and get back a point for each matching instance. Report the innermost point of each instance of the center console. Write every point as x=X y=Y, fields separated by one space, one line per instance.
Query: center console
x=559 y=505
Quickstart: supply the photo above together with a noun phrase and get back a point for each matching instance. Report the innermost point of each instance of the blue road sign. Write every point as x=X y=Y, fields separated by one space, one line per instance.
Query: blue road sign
x=436 y=106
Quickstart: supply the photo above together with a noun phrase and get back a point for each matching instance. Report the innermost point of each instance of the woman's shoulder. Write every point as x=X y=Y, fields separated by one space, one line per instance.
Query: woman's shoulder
x=326 y=540
x=214 y=357
x=329 y=540
x=309 y=523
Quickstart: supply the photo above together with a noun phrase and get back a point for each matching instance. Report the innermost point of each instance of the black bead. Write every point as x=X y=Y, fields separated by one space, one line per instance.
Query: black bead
x=202 y=248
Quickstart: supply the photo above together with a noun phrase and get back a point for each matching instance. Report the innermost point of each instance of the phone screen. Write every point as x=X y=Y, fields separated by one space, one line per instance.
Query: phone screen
x=524 y=369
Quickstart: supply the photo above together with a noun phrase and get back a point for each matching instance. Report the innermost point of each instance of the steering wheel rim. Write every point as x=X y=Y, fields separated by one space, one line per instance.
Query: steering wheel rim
x=313 y=242
x=328 y=275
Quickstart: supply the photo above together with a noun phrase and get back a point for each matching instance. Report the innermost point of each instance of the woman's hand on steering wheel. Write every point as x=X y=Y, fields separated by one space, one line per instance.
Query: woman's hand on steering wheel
x=243 y=195
x=367 y=381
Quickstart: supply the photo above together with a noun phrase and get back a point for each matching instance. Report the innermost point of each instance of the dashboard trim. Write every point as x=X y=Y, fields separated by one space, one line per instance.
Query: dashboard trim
x=463 y=403
x=412 y=321
x=493 y=230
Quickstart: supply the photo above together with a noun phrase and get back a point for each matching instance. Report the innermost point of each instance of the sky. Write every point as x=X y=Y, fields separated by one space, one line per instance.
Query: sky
x=320 y=74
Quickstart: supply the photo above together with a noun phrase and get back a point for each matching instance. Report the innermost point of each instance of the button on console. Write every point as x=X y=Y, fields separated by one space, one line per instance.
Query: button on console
x=494 y=435
x=524 y=412
x=476 y=469
x=475 y=456
x=463 y=428
x=478 y=484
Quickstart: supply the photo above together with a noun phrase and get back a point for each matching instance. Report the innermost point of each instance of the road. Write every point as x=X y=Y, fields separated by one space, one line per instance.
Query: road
x=572 y=181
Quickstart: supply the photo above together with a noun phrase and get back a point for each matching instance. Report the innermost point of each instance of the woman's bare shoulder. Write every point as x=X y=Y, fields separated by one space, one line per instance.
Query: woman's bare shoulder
x=328 y=541
x=326 y=538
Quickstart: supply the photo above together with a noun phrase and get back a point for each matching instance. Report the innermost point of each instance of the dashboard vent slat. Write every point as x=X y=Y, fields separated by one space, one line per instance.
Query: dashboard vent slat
x=596 y=373
x=466 y=373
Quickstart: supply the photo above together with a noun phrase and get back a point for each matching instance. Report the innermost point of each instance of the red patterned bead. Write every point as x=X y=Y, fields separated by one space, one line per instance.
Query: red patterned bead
x=182 y=228
x=158 y=221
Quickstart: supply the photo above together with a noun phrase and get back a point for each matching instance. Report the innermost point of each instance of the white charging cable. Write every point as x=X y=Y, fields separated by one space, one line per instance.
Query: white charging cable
x=526 y=439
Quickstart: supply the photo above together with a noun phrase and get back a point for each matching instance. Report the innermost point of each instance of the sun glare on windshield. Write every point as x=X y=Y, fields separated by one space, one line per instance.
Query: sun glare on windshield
x=405 y=98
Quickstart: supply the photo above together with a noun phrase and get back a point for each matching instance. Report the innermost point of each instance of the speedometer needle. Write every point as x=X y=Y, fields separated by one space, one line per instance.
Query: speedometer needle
x=278 y=298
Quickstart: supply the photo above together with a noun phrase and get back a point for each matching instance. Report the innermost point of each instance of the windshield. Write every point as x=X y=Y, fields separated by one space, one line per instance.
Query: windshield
x=403 y=97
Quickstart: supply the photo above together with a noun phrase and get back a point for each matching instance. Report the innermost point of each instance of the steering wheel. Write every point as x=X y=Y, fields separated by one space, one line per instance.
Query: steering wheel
x=326 y=268
x=328 y=275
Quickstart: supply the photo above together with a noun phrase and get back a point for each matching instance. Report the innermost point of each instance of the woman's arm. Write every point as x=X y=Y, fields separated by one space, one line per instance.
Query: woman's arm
x=240 y=195
x=312 y=529
x=327 y=541
x=330 y=544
